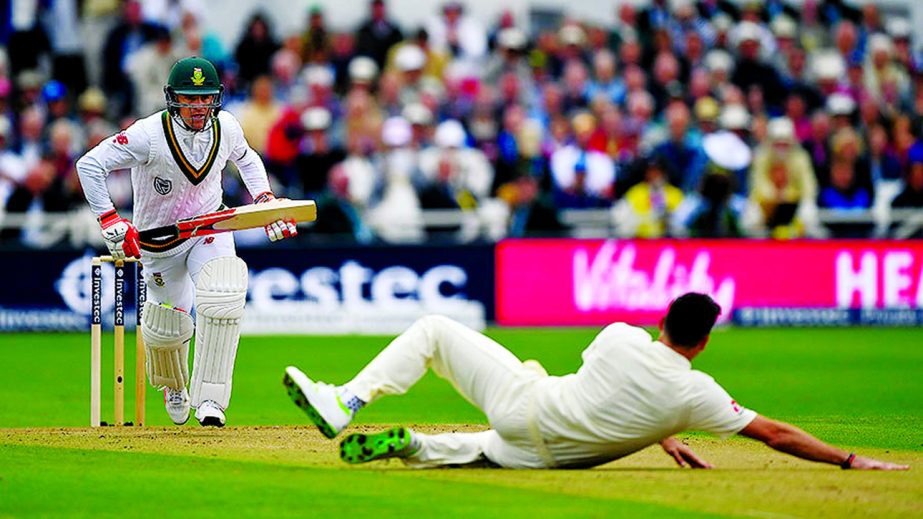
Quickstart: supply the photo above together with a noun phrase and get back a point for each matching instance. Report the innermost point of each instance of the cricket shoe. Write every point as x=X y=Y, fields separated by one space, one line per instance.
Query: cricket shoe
x=210 y=414
x=393 y=443
x=177 y=403
x=320 y=401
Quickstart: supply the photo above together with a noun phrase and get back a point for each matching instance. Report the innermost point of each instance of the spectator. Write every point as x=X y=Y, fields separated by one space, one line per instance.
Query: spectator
x=377 y=35
x=342 y=50
x=12 y=169
x=881 y=70
x=610 y=137
x=435 y=60
x=125 y=39
x=148 y=67
x=797 y=111
x=259 y=113
x=421 y=125
x=647 y=207
x=783 y=183
x=818 y=144
x=714 y=211
x=28 y=38
x=284 y=141
x=676 y=155
x=397 y=217
x=30 y=144
x=574 y=84
x=255 y=50
x=315 y=42
x=528 y=193
x=456 y=34
x=582 y=178
x=452 y=175
x=66 y=44
x=844 y=192
x=796 y=81
x=883 y=163
x=846 y=144
x=337 y=216
x=509 y=57
x=318 y=155
x=751 y=71
x=56 y=101
x=363 y=119
x=912 y=195
x=665 y=77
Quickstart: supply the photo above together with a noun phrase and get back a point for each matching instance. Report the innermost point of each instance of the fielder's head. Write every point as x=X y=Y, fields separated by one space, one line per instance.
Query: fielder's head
x=689 y=320
x=193 y=93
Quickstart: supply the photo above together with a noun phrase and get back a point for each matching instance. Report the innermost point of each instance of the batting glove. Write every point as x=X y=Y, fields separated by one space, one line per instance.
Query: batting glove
x=120 y=235
x=279 y=229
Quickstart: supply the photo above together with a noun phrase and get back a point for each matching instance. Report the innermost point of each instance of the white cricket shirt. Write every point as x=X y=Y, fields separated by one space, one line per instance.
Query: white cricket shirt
x=630 y=392
x=175 y=173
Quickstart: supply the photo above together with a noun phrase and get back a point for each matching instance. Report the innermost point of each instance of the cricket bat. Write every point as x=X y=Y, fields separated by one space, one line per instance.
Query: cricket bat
x=233 y=219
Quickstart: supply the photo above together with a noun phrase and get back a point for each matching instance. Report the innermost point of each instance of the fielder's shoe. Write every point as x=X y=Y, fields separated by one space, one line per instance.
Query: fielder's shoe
x=177 y=403
x=393 y=443
x=210 y=414
x=321 y=402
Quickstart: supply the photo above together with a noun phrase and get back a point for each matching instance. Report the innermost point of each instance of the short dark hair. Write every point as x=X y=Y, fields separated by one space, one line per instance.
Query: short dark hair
x=690 y=319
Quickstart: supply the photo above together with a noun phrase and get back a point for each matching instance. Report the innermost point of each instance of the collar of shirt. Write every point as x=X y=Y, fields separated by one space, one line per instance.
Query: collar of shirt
x=671 y=356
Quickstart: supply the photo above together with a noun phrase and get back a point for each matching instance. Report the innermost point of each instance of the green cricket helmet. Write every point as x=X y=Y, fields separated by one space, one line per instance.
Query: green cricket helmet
x=193 y=76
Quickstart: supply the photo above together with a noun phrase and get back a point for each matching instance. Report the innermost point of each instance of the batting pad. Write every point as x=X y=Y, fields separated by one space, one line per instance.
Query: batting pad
x=221 y=291
x=166 y=332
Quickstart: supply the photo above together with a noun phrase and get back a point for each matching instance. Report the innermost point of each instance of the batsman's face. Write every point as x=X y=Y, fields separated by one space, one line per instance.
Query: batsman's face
x=196 y=115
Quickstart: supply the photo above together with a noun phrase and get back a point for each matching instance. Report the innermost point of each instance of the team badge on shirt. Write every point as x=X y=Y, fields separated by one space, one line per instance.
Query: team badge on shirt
x=157 y=277
x=162 y=185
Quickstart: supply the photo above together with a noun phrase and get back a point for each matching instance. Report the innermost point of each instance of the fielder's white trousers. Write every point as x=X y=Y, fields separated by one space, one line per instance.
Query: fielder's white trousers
x=483 y=371
x=171 y=279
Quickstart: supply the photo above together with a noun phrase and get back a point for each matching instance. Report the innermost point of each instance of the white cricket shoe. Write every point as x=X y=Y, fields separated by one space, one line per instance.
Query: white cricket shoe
x=320 y=401
x=209 y=413
x=177 y=403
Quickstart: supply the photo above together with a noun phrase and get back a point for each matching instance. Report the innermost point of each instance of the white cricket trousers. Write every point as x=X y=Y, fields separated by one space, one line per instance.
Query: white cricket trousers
x=483 y=371
x=171 y=279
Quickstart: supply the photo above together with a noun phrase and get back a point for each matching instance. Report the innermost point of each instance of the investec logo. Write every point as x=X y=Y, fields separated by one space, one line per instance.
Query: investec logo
x=97 y=294
x=119 y=296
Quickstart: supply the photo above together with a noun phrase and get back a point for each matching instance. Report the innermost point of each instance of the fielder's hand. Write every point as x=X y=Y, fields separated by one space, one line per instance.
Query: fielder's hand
x=683 y=455
x=863 y=463
x=120 y=235
x=279 y=229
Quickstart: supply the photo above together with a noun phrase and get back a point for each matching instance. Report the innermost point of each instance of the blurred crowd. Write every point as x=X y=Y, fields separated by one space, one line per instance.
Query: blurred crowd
x=706 y=118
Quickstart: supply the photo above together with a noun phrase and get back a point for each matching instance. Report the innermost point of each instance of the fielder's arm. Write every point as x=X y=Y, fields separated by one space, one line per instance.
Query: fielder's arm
x=789 y=439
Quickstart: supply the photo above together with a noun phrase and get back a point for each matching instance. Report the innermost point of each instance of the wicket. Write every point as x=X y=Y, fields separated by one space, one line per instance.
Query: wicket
x=119 y=341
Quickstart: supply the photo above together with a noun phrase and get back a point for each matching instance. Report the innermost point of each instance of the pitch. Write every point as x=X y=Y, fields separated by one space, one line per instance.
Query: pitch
x=857 y=388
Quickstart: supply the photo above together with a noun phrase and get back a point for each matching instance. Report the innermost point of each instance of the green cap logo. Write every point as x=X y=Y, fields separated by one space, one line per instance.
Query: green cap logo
x=197 y=78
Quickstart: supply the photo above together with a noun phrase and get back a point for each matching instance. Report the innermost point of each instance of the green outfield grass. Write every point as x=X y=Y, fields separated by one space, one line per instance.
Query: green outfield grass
x=859 y=388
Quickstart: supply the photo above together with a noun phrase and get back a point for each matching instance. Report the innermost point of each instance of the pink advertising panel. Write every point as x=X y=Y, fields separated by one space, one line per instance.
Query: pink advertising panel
x=593 y=282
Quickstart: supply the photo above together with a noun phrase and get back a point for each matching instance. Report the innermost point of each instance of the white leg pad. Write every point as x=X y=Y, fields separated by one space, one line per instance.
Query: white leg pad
x=166 y=332
x=221 y=292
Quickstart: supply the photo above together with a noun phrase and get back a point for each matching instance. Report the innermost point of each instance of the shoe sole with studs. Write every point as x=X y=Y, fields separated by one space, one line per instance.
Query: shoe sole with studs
x=362 y=448
x=299 y=398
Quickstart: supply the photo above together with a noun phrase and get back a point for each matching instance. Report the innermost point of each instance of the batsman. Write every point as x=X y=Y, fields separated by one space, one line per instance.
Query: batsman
x=176 y=158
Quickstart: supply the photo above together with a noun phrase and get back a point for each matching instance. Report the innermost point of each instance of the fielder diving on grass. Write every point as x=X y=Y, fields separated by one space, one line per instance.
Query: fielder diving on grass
x=176 y=158
x=630 y=392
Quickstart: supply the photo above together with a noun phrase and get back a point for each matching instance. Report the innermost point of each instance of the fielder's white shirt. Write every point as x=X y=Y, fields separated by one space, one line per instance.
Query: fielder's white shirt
x=630 y=392
x=175 y=173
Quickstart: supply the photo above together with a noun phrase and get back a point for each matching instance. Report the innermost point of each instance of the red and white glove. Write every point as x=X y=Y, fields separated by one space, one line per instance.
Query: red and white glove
x=120 y=235
x=279 y=229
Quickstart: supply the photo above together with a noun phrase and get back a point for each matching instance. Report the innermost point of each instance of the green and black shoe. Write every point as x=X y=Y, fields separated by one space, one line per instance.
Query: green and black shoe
x=362 y=448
